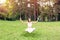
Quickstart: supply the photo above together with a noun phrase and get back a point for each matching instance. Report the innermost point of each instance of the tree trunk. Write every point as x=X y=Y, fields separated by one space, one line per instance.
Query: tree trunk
x=56 y=18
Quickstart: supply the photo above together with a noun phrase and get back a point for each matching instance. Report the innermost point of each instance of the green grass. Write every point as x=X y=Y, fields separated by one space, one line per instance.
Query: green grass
x=15 y=30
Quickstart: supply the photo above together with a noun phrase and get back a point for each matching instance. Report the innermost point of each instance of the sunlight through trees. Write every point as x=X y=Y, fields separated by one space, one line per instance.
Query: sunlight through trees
x=45 y=9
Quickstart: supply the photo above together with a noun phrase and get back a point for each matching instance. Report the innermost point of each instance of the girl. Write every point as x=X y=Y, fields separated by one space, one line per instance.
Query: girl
x=29 y=24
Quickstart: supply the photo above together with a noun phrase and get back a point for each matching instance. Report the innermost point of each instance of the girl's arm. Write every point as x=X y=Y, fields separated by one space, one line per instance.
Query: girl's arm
x=24 y=22
x=34 y=22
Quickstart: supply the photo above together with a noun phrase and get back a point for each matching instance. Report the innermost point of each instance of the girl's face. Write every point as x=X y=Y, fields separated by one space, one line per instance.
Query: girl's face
x=29 y=20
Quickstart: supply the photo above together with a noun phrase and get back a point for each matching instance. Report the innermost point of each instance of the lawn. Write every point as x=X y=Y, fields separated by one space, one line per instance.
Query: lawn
x=15 y=30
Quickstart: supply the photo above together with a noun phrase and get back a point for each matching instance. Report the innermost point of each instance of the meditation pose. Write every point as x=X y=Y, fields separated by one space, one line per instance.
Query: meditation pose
x=29 y=24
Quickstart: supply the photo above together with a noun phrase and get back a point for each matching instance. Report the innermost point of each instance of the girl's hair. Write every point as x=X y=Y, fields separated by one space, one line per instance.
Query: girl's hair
x=29 y=19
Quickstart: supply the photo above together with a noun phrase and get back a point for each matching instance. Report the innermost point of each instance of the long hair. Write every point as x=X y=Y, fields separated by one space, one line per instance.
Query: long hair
x=29 y=19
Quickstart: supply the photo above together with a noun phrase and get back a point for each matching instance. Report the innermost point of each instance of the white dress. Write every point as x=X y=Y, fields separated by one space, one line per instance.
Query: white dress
x=30 y=29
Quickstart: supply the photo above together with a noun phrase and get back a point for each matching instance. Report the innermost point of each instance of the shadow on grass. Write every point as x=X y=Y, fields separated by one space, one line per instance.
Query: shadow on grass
x=33 y=34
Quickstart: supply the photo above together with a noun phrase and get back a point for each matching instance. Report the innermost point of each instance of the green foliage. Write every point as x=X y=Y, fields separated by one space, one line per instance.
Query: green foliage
x=11 y=12
x=16 y=9
x=4 y=15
